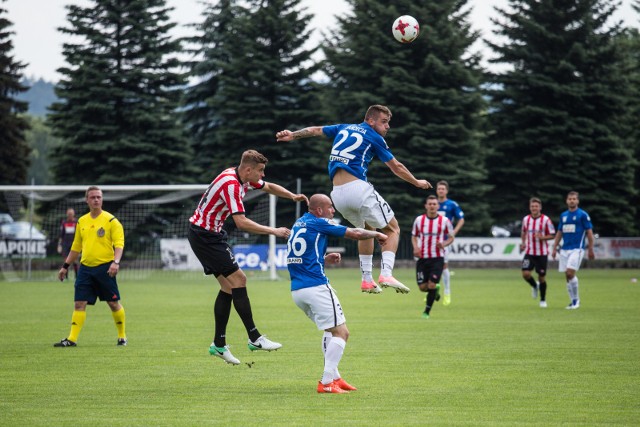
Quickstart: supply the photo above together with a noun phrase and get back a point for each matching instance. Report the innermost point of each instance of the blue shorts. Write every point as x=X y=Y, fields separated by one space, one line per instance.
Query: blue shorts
x=94 y=282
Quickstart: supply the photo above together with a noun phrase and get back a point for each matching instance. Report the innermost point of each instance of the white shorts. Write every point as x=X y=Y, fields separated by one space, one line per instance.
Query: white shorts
x=320 y=304
x=570 y=259
x=358 y=202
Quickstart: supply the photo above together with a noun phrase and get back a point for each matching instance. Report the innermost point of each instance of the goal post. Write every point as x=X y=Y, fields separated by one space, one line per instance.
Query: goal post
x=155 y=220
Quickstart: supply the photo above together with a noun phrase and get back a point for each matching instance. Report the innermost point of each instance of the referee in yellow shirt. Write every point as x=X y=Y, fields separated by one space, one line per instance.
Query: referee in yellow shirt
x=100 y=238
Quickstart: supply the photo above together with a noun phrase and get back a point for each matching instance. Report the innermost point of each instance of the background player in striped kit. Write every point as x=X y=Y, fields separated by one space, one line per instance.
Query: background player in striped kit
x=574 y=226
x=452 y=211
x=310 y=288
x=537 y=228
x=209 y=243
x=67 y=233
x=429 y=243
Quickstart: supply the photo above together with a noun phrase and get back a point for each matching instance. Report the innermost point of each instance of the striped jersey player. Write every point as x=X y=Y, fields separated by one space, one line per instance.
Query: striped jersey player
x=430 y=235
x=223 y=198
x=537 y=229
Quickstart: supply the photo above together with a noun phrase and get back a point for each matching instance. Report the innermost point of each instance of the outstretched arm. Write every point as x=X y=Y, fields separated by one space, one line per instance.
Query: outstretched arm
x=402 y=172
x=362 y=234
x=245 y=224
x=287 y=135
x=280 y=191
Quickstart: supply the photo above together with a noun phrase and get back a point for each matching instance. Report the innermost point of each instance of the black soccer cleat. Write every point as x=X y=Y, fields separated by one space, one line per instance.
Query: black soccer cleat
x=65 y=343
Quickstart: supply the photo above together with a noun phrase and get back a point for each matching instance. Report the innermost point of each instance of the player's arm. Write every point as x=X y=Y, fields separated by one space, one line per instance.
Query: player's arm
x=280 y=191
x=245 y=224
x=458 y=226
x=362 y=234
x=556 y=242
x=590 y=244
x=332 y=258
x=403 y=173
x=71 y=258
x=287 y=135
x=523 y=238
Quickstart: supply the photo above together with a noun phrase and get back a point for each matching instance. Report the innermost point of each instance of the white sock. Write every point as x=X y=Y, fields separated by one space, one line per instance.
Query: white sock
x=574 y=287
x=570 y=290
x=332 y=357
x=388 y=261
x=446 y=281
x=326 y=338
x=366 y=267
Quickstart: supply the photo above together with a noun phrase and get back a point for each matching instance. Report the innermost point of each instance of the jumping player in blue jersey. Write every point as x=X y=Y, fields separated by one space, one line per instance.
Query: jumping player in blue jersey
x=354 y=147
x=574 y=226
x=451 y=210
x=310 y=286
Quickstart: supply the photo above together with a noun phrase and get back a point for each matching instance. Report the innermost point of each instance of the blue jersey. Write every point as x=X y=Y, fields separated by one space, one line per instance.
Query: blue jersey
x=574 y=226
x=306 y=248
x=451 y=210
x=354 y=146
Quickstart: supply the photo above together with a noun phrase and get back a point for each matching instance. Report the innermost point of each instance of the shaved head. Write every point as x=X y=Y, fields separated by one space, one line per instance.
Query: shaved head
x=321 y=206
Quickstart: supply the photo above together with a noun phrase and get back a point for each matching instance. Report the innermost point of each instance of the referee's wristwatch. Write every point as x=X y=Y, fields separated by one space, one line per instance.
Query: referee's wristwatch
x=116 y=262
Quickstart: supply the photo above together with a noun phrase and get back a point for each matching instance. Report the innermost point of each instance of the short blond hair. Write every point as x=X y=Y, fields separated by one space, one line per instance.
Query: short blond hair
x=252 y=158
x=92 y=188
x=375 y=110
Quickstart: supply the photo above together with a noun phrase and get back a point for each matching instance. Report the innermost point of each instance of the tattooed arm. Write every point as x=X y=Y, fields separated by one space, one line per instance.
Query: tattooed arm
x=287 y=135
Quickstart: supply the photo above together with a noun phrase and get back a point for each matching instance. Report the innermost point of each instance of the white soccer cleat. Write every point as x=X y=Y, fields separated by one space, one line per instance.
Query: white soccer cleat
x=543 y=304
x=392 y=282
x=223 y=353
x=264 y=343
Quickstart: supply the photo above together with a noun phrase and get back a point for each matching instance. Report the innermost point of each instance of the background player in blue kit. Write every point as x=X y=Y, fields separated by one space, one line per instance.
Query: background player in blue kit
x=574 y=226
x=354 y=146
x=310 y=286
x=452 y=211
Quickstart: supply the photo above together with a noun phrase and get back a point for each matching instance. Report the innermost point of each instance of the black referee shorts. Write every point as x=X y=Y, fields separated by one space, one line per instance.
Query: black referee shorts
x=213 y=251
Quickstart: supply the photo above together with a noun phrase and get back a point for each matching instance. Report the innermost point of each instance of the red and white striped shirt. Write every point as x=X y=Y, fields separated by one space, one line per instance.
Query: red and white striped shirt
x=531 y=226
x=222 y=198
x=429 y=232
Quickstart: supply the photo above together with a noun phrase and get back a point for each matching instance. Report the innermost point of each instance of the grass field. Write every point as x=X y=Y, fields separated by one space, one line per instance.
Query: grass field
x=492 y=357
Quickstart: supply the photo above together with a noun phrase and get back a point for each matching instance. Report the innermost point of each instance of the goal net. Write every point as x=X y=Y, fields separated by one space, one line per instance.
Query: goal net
x=155 y=220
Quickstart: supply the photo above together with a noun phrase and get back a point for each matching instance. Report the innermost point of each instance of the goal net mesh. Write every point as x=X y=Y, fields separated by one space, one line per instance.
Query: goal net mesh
x=155 y=220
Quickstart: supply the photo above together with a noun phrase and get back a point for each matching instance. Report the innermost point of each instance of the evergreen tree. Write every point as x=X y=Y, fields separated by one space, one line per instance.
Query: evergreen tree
x=118 y=97
x=432 y=88
x=560 y=115
x=41 y=141
x=14 y=150
x=253 y=80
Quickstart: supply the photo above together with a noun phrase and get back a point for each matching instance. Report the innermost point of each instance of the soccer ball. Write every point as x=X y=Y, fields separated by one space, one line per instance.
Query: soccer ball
x=405 y=29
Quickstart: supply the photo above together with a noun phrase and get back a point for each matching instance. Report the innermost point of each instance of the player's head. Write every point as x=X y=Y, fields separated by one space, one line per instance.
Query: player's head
x=432 y=205
x=535 y=206
x=320 y=205
x=252 y=166
x=573 y=199
x=378 y=117
x=71 y=213
x=93 y=196
x=442 y=189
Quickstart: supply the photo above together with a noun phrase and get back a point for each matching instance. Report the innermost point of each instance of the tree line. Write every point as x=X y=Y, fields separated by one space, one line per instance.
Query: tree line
x=137 y=106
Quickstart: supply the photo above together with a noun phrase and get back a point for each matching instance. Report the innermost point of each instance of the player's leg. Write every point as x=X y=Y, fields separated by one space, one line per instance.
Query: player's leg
x=528 y=265
x=349 y=199
x=119 y=318
x=574 y=259
x=389 y=249
x=446 y=277
x=541 y=269
x=83 y=294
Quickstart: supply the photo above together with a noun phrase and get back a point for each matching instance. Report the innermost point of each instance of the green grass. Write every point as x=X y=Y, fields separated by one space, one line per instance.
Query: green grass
x=492 y=357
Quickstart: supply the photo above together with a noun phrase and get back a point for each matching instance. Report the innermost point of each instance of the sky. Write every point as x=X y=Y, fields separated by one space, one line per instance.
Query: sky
x=38 y=44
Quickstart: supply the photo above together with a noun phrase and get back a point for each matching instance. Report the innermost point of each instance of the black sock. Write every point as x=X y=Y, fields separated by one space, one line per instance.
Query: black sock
x=531 y=281
x=221 y=312
x=243 y=307
x=431 y=297
x=543 y=291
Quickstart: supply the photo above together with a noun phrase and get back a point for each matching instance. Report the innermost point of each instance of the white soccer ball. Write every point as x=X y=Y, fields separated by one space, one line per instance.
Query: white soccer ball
x=405 y=29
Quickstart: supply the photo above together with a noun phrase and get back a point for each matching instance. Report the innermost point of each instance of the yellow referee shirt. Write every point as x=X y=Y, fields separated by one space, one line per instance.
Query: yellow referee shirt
x=96 y=238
